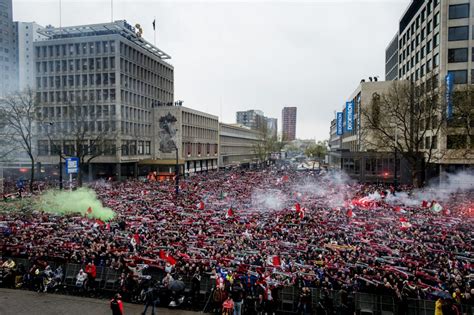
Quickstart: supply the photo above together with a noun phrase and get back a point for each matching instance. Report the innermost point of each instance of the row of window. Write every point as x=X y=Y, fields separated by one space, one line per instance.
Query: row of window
x=418 y=21
x=144 y=75
x=198 y=120
x=146 y=89
x=75 y=65
x=73 y=127
x=144 y=61
x=64 y=50
x=197 y=132
x=76 y=81
x=135 y=129
x=193 y=149
x=133 y=99
x=61 y=97
x=133 y=147
x=83 y=111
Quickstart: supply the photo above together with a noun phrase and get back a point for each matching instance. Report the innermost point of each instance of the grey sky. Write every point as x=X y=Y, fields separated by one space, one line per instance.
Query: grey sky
x=255 y=54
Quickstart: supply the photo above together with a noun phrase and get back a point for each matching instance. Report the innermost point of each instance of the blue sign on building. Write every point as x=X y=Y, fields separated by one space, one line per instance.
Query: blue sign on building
x=339 y=128
x=350 y=116
x=449 y=91
x=72 y=165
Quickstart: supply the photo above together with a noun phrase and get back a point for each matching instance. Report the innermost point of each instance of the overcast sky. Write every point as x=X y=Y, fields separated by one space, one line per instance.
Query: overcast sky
x=231 y=56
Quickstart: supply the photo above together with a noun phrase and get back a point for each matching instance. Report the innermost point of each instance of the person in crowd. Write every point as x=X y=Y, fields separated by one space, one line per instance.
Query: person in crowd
x=116 y=305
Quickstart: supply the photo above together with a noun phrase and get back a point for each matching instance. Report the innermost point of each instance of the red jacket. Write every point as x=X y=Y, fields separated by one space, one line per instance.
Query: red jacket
x=91 y=270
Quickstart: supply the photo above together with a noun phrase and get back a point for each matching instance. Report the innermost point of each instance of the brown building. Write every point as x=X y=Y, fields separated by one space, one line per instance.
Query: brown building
x=289 y=123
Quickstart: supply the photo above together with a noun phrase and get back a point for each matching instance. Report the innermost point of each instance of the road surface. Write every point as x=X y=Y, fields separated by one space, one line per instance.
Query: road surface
x=19 y=302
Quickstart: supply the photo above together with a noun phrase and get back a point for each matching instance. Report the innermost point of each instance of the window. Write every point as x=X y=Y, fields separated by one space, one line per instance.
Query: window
x=434 y=142
x=459 y=11
x=436 y=61
x=428 y=47
x=427 y=143
x=456 y=142
x=458 y=55
x=458 y=33
x=428 y=28
x=43 y=147
x=436 y=40
x=436 y=20
x=460 y=76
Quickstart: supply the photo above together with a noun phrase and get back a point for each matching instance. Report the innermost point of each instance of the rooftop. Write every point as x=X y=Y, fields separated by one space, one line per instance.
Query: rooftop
x=118 y=27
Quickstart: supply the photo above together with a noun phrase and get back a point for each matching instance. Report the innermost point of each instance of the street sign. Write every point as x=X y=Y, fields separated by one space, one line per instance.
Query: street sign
x=72 y=165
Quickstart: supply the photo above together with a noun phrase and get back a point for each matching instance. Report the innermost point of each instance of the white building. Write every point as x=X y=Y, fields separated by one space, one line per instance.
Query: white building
x=26 y=34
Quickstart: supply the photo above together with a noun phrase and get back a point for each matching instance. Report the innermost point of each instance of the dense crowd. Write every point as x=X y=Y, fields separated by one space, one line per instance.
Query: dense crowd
x=263 y=230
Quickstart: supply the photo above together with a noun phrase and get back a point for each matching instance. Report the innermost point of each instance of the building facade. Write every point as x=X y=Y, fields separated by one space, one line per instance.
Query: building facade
x=8 y=64
x=391 y=60
x=435 y=38
x=254 y=119
x=102 y=80
x=26 y=34
x=272 y=126
x=237 y=146
x=182 y=136
x=288 y=120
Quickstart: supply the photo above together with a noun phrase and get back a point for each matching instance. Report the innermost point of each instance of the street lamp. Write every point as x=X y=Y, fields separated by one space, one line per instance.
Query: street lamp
x=395 y=175
x=176 y=171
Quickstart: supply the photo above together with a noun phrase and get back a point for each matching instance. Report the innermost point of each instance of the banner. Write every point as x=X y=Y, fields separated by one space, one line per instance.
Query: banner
x=449 y=90
x=339 y=129
x=350 y=116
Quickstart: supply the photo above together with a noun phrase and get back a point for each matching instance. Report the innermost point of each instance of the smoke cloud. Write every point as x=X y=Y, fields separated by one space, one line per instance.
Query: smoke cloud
x=78 y=201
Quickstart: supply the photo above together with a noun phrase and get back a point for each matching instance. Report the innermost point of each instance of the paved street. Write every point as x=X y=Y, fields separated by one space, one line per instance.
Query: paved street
x=19 y=302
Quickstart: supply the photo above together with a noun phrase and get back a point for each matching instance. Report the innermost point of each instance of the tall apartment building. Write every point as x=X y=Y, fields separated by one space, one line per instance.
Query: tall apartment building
x=8 y=65
x=288 y=123
x=105 y=79
x=272 y=126
x=26 y=34
x=435 y=37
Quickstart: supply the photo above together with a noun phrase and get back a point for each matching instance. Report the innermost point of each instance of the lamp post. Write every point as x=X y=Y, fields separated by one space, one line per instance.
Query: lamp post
x=176 y=172
x=395 y=175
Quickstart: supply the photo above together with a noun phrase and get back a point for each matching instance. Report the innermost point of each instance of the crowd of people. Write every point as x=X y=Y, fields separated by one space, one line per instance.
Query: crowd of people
x=256 y=232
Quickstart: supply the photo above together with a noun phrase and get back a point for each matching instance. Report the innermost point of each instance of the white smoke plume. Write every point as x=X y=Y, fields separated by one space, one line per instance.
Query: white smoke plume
x=269 y=199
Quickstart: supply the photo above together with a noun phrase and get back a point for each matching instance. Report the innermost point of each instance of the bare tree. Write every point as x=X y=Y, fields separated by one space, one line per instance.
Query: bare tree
x=403 y=119
x=19 y=116
x=267 y=145
x=81 y=132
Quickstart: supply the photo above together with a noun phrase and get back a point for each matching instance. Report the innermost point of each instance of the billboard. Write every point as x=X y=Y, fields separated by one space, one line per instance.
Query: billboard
x=339 y=128
x=449 y=90
x=350 y=116
x=72 y=165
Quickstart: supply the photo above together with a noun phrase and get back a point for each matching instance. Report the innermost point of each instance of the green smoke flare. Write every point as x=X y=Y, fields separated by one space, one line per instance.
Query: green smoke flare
x=78 y=201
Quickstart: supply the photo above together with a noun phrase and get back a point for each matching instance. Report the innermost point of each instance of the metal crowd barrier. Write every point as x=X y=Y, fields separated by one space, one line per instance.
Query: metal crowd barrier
x=108 y=280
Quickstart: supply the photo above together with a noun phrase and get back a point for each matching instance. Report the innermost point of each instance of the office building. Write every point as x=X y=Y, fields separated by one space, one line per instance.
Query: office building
x=434 y=39
x=183 y=135
x=106 y=79
x=8 y=64
x=254 y=119
x=391 y=60
x=355 y=151
x=26 y=33
x=237 y=146
x=288 y=123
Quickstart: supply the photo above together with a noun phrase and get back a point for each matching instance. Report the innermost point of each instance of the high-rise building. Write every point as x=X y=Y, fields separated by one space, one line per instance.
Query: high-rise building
x=8 y=65
x=288 y=123
x=26 y=34
x=435 y=39
x=103 y=80
x=391 y=60
x=254 y=119
x=272 y=126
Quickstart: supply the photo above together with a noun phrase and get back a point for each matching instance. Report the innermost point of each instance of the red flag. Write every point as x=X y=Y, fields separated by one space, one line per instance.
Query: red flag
x=99 y=222
x=230 y=213
x=349 y=213
x=200 y=205
x=276 y=261
x=137 y=238
x=424 y=204
x=167 y=257
x=89 y=210
x=297 y=207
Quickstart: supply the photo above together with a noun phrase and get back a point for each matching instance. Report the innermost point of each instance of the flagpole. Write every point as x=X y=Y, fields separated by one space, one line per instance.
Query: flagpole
x=112 y=10
x=60 y=16
x=154 y=30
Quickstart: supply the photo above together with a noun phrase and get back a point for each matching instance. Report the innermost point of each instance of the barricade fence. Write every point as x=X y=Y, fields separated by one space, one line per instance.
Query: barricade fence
x=108 y=281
